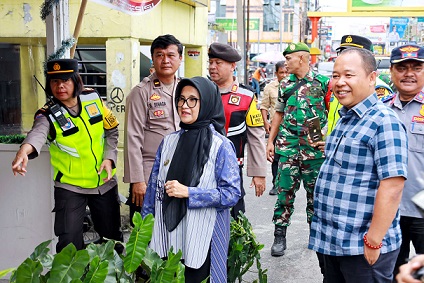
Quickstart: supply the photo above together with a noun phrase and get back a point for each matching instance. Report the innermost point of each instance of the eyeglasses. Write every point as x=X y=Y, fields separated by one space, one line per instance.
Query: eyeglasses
x=191 y=102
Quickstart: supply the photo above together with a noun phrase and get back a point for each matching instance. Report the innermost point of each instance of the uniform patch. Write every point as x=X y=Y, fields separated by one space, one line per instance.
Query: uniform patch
x=234 y=88
x=380 y=92
x=109 y=120
x=159 y=113
x=68 y=125
x=234 y=100
x=92 y=110
x=155 y=97
x=418 y=119
x=159 y=104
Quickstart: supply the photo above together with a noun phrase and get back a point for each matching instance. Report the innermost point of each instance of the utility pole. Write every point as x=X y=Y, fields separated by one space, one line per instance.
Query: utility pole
x=57 y=27
x=241 y=41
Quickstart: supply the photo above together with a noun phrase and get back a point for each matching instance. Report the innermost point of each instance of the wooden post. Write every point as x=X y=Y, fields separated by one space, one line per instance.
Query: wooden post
x=78 y=26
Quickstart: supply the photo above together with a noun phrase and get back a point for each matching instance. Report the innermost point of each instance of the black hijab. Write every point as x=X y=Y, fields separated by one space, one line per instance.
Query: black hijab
x=192 y=151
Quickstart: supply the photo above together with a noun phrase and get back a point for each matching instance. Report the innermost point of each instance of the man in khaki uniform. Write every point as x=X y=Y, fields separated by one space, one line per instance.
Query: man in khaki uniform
x=243 y=121
x=268 y=109
x=150 y=115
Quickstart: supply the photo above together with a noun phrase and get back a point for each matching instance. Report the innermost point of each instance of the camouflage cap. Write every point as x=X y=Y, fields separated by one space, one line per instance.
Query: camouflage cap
x=296 y=47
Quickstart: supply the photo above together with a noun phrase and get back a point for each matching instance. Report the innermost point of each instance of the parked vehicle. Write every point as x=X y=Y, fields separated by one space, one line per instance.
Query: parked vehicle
x=325 y=68
x=383 y=64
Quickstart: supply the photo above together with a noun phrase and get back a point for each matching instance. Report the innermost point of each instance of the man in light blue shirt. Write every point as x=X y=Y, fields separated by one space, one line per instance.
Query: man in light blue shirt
x=359 y=187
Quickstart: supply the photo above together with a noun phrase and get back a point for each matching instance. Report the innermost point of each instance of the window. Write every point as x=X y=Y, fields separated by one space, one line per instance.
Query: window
x=10 y=89
x=272 y=15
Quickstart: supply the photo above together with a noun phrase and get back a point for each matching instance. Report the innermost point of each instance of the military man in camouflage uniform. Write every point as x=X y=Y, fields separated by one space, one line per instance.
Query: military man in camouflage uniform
x=301 y=98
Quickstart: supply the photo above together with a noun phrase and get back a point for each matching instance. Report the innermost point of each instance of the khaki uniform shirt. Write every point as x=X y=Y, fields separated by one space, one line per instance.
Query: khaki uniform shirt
x=270 y=98
x=150 y=115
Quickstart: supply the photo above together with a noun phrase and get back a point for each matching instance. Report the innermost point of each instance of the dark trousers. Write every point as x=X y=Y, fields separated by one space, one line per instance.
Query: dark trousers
x=354 y=269
x=412 y=231
x=70 y=209
x=193 y=275
x=240 y=204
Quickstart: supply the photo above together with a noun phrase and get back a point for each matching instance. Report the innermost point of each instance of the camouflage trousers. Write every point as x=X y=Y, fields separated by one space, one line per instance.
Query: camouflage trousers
x=291 y=171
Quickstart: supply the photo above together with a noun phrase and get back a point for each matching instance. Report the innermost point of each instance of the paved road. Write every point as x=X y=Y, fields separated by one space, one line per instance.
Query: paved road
x=299 y=264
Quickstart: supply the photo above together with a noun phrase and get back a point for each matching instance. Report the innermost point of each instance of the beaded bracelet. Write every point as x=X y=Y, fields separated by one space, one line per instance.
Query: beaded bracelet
x=371 y=246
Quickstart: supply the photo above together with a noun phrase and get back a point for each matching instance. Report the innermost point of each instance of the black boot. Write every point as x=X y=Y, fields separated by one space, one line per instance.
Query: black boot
x=273 y=192
x=279 y=244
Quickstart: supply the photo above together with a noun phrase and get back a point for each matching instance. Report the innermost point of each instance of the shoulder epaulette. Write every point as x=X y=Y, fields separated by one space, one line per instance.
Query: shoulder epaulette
x=246 y=87
x=388 y=97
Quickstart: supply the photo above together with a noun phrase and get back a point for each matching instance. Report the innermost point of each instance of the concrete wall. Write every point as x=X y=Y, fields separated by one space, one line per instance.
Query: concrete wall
x=26 y=205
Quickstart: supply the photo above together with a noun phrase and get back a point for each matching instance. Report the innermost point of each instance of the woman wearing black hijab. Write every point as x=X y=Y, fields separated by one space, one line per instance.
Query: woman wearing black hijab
x=194 y=183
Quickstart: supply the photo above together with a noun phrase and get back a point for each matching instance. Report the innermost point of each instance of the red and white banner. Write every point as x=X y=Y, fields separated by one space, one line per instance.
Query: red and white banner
x=133 y=7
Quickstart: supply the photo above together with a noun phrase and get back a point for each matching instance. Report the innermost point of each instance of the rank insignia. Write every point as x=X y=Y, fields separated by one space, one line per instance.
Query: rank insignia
x=156 y=83
x=422 y=110
x=234 y=100
x=419 y=97
x=234 y=88
x=155 y=97
x=166 y=162
x=92 y=110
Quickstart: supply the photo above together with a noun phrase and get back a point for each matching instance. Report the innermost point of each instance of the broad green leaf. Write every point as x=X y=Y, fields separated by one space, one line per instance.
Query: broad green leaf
x=169 y=267
x=69 y=264
x=138 y=241
x=6 y=271
x=29 y=271
x=41 y=250
x=150 y=257
x=97 y=272
x=105 y=252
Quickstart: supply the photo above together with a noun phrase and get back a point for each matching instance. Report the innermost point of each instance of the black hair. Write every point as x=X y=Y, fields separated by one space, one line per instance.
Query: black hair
x=367 y=57
x=78 y=85
x=280 y=64
x=163 y=41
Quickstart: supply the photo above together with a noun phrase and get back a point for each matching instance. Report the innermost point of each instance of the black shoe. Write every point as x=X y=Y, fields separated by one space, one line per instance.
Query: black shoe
x=273 y=192
x=279 y=244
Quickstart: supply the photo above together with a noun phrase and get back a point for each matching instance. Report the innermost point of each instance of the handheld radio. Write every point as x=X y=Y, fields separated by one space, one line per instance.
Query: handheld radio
x=54 y=108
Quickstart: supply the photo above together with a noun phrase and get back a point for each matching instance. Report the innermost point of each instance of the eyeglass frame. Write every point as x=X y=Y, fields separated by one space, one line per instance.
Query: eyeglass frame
x=185 y=101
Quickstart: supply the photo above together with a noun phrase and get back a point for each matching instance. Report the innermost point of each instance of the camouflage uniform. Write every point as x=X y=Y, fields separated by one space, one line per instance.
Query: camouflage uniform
x=298 y=160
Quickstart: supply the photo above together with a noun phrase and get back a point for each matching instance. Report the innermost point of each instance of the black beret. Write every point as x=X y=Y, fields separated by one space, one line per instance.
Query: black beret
x=61 y=68
x=407 y=52
x=357 y=41
x=224 y=52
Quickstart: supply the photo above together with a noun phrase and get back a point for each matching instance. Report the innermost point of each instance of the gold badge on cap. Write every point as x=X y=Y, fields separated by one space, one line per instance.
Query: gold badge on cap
x=292 y=47
x=349 y=39
x=56 y=67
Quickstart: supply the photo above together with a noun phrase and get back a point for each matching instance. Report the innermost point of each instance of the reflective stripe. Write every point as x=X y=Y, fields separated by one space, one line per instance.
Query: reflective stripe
x=238 y=130
x=69 y=150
